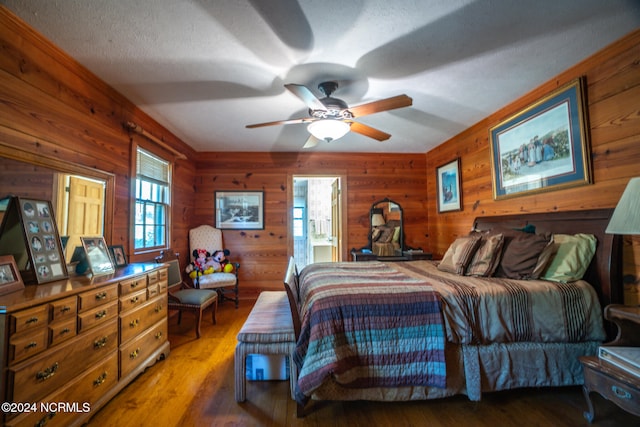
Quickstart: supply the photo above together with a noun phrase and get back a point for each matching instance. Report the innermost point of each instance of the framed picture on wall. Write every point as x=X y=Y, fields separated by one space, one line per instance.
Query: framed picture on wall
x=239 y=210
x=10 y=280
x=543 y=147
x=448 y=181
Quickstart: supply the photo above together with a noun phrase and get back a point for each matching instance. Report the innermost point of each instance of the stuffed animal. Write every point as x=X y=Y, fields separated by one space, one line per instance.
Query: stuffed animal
x=202 y=264
x=220 y=256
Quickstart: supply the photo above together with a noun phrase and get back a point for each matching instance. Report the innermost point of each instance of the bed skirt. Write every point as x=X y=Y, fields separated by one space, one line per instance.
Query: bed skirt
x=474 y=369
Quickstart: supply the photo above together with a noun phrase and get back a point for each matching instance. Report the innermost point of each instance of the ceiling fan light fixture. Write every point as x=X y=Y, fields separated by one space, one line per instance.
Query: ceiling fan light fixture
x=328 y=129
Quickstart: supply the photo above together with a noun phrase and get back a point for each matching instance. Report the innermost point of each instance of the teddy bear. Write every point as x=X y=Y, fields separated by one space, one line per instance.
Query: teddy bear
x=220 y=256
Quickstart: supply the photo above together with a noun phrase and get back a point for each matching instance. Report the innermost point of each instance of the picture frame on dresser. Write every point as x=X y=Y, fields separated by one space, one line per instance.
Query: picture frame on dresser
x=98 y=257
x=29 y=233
x=10 y=280
x=118 y=256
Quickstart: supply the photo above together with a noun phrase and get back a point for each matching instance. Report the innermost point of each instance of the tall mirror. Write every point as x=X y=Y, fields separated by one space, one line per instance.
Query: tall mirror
x=387 y=235
x=81 y=197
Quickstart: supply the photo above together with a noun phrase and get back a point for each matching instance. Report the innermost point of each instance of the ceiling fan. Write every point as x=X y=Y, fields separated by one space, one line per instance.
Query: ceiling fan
x=331 y=118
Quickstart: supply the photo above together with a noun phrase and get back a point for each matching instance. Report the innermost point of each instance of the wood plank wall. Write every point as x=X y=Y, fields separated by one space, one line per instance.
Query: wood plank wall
x=613 y=97
x=368 y=178
x=53 y=107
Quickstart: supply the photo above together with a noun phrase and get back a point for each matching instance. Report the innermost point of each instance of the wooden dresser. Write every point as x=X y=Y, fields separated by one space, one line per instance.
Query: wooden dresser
x=70 y=346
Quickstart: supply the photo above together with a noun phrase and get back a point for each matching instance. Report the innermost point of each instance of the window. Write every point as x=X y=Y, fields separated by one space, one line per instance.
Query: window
x=298 y=222
x=152 y=201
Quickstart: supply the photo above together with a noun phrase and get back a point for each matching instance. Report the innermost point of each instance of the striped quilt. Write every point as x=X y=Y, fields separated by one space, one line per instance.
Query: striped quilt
x=368 y=330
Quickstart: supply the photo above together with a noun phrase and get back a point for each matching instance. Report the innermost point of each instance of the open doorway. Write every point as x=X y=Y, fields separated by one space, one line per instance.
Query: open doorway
x=317 y=229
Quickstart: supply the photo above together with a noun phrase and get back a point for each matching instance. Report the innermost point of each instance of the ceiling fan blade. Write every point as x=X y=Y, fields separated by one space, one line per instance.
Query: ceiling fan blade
x=282 y=122
x=312 y=141
x=369 y=131
x=306 y=96
x=381 y=105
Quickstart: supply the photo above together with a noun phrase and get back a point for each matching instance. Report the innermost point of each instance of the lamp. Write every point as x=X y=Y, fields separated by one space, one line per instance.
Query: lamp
x=626 y=216
x=328 y=129
x=377 y=218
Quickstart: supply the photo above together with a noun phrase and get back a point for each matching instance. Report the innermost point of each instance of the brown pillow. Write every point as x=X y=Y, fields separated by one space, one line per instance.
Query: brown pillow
x=520 y=254
x=487 y=256
x=386 y=234
x=375 y=234
x=459 y=254
x=547 y=254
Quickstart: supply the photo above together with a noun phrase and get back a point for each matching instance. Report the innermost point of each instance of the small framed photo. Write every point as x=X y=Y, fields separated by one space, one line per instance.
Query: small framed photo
x=448 y=181
x=97 y=254
x=118 y=255
x=10 y=280
x=239 y=210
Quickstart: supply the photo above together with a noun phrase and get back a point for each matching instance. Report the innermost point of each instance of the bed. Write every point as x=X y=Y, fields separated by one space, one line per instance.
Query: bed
x=392 y=331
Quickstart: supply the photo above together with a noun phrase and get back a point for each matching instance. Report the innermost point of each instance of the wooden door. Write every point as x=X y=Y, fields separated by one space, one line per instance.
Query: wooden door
x=85 y=211
x=336 y=235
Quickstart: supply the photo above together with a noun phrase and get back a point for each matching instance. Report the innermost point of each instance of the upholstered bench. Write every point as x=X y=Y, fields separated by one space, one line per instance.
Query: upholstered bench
x=268 y=331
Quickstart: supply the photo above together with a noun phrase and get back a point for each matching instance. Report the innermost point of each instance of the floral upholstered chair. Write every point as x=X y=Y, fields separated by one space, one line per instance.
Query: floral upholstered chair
x=210 y=238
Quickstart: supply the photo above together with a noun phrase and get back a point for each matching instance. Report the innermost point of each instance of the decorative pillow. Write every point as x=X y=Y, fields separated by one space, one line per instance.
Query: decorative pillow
x=375 y=234
x=396 y=234
x=487 y=256
x=459 y=254
x=520 y=254
x=545 y=258
x=386 y=234
x=572 y=258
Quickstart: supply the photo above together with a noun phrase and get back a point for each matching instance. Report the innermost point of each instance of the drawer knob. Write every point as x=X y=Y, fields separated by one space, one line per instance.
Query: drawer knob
x=44 y=420
x=134 y=353
x=65 y=331
x=32 y=344
x=134 y=300
x=100 y=343
x=134 y=323
x=158 y=308
x=101 y=296
x=101 y=314
x=134 y=284
x=32 y=320
x=158 y=335
x=65 y=309
x=101 y=379
x=47 y=373
x=620 y=392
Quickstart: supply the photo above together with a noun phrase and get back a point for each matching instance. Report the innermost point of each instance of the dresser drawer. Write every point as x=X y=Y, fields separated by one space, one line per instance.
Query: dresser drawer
x=136 y=321
x=36 y=378
x=163 y=285
x=152 y=278
x=133 y=300
x=95 y=297
x=32 y=318
x=86 y=390
x=153 y=291
x=97 y=316
x=62 y=331
x=140 y=348
x=26 y=345
x=623 y=394
x=163 y=274
x=133 y=285
x=65 y=308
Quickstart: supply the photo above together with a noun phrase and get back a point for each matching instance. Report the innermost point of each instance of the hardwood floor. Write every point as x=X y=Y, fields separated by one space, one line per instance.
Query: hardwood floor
x=194 y=386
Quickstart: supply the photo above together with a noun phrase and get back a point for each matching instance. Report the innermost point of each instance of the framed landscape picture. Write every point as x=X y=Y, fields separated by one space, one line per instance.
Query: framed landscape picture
x=543 y=147
x=239 y=210
x=448 y=181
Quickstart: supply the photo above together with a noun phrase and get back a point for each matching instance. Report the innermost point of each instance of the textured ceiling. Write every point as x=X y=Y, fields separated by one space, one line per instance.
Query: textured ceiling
x=205 y=69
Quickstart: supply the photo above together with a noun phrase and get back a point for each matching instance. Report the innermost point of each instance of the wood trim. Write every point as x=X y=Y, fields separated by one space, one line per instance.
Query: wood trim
x=140 y=131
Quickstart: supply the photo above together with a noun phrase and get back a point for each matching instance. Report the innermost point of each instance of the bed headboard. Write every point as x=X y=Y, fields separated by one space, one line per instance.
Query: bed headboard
x=605 y=271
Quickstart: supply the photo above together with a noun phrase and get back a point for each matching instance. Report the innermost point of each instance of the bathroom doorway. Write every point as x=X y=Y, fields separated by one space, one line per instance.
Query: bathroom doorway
x=317 y=213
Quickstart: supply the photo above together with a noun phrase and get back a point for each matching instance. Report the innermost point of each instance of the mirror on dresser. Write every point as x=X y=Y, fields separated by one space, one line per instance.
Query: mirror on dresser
x=81 y=197
x=386 y=236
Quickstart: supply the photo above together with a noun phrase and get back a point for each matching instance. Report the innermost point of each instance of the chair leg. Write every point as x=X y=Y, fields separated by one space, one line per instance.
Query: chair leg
x=198 y=318
x=179 y=316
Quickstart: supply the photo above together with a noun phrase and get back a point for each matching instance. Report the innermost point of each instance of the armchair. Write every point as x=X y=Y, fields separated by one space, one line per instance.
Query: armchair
x=225 y=284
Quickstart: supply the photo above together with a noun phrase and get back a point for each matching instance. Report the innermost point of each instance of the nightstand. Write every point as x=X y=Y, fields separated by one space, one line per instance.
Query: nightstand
x=613 y=383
